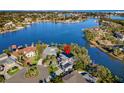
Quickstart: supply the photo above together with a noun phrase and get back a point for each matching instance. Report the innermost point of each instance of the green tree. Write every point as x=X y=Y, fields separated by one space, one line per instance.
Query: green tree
x=104 y=75
x=7 y=51
x=40 y=48
x=117 y=51
x=2 y=79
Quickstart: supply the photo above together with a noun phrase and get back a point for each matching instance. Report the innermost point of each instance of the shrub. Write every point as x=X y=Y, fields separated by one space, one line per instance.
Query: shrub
x=32 y=72
x=2 y=79
x=13 y=70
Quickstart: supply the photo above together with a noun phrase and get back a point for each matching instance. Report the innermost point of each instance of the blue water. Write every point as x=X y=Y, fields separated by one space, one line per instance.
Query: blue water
x=117 y=17
x=49 y=32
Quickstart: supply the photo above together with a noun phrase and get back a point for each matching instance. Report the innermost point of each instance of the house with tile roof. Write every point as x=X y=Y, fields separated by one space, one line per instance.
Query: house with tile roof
x=29 y=51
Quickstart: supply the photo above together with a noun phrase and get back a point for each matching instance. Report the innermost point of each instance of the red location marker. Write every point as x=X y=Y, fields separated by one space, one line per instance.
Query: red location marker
x=67 y=49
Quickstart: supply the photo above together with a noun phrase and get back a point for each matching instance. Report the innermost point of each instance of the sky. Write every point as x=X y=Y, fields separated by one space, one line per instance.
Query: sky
x=61 y=4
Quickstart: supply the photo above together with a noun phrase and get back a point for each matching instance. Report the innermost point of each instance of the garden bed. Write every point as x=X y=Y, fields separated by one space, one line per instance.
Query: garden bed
x=13 y=70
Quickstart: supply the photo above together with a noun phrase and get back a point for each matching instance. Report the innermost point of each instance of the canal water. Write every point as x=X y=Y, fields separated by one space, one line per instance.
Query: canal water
x=117 y=17
x=49 y=32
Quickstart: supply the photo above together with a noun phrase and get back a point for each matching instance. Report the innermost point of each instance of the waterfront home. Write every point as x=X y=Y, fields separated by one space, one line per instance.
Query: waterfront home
x=50 y=51
x=74 y=77
x=66 y=61
x=14 y=47
x=66 y=57
x=96 y=29
x=119 y=36
x=29 y=51
x=20 y=47
x=27 y=21
x=9 y=25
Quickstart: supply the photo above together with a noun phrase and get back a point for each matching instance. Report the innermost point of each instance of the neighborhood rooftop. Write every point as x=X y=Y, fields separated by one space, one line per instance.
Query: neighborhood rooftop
x=29 y=49
x=74 y=77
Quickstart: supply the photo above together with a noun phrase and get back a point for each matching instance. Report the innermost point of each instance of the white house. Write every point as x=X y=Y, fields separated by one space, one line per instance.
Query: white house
x=66 y=61
x=50 y=51
x=30 y=54
x=67 y=67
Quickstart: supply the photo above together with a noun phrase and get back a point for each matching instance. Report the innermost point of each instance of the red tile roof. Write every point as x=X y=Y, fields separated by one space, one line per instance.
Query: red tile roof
x=29 y=49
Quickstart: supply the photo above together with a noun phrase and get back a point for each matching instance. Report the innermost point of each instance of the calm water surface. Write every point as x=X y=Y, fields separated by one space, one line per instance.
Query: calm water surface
x=117 y=17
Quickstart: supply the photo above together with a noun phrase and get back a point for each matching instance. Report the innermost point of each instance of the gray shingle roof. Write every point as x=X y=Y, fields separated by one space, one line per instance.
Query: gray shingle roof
x=74 y=77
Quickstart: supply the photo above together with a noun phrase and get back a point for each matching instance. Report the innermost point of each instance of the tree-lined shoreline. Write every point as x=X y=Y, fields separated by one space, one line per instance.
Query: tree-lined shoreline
x=108 y=37
x=13 y=21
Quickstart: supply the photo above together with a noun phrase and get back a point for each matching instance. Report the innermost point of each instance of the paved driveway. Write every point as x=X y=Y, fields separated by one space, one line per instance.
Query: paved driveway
x=19 y=77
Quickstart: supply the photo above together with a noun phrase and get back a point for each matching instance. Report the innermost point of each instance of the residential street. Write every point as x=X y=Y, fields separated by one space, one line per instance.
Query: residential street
x=19 y=77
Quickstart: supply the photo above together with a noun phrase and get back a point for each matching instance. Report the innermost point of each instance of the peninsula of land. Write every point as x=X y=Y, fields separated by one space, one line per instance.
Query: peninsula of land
x=109 y=37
